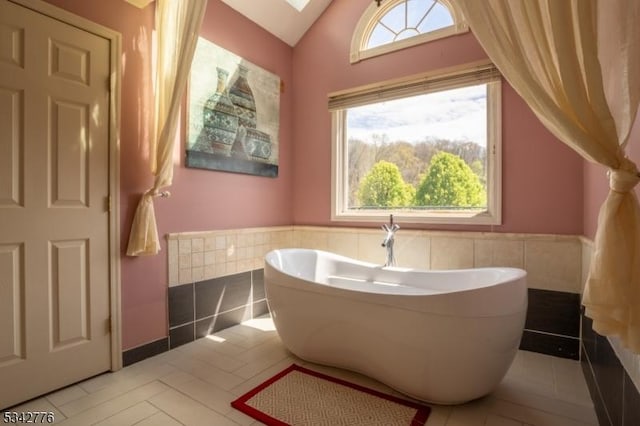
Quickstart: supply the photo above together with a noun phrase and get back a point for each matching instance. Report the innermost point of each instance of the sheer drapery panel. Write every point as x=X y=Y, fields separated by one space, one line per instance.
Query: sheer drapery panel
x=177 y=26
x=576 y=63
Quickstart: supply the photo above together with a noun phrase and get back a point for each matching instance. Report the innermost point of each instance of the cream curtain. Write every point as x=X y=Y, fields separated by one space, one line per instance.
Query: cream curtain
x=178 y=25
x=577 y=65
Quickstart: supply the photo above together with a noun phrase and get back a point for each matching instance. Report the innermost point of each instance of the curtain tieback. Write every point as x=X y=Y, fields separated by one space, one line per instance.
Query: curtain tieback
x=155 y=193
x=625 y=178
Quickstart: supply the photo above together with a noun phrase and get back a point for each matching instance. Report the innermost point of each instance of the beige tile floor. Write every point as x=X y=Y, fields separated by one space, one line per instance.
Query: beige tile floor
x=195 y=383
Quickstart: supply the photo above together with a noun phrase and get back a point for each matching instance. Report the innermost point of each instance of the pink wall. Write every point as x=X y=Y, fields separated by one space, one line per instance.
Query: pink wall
x=542 y=178
x=596 y=182
x=201 y=200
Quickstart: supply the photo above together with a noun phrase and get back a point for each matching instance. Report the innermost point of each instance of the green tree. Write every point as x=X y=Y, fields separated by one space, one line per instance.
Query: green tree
x=360 y=158
x=477 y=167
x=383 y=186
x=450 y=182
x=402 y=154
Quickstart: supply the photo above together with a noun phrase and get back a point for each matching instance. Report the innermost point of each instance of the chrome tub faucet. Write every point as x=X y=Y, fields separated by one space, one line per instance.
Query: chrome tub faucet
x=388 y=241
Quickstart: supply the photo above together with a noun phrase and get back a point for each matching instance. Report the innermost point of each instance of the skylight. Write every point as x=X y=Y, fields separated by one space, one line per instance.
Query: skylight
x=298 y=4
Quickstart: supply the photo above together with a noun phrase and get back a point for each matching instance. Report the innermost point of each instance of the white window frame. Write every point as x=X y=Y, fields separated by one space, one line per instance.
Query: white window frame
x=451 y=78
x=373 y=13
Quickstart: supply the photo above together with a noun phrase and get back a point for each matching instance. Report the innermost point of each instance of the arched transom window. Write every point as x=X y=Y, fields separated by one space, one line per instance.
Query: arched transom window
x=397 y=24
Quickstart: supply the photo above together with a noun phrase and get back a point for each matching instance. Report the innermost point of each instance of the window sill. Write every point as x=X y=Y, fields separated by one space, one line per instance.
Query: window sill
x=436 y=218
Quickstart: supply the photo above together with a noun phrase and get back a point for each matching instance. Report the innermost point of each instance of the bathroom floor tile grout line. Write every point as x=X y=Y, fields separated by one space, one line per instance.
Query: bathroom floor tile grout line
x=517 y=404
x=111 y=398
x=187 y=396
x=595 y=383
x=566 y=336
x=159 y=410
x=523 y=406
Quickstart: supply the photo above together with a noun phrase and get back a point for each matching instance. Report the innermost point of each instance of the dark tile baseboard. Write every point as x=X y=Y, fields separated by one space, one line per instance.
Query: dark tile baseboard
x=227 y=319
x=554 y=312
x=205 y=307
x=181 y=335
x=614 y=395
x=553 y=324
x=139 y=353
x=630 y=403
x=181 y=305
x=551 y=344
x=223 y=320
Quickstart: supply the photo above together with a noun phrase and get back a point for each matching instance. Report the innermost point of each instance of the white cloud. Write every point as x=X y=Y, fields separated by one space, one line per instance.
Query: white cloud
x=458 y=114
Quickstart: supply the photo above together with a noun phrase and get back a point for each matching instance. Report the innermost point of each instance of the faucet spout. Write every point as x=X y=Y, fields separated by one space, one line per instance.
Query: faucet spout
x=389 y=240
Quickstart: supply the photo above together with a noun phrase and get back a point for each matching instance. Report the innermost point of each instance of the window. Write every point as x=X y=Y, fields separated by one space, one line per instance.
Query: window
x=397 y=24
x=298 y=5
x=427 y=149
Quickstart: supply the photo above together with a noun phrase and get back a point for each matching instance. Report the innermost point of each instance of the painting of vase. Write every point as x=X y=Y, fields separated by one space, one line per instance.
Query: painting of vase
x=233 y=114
x=242 y=97
x=219 y=121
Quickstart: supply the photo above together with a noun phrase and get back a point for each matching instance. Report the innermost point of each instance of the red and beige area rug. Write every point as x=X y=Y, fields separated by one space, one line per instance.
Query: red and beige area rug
x=298 y=396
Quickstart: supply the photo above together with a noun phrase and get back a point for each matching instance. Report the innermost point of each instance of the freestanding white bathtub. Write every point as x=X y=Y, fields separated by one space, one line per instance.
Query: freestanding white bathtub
x=444 y=337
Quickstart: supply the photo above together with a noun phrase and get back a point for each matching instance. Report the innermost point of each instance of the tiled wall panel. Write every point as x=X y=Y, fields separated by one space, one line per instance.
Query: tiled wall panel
x=612 y=371
x=553 y=262
x=606 y=378
x=557 y=268
x=205 y=260
x=205 y=307
x=200 y=256
x=553 y=323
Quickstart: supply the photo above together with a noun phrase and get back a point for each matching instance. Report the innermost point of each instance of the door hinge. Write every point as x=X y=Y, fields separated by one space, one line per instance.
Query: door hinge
x=108 y=203
x=109 y=325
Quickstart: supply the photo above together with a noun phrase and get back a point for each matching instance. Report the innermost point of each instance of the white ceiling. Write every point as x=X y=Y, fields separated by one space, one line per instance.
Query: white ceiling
x=279 y=17
x=286 y=19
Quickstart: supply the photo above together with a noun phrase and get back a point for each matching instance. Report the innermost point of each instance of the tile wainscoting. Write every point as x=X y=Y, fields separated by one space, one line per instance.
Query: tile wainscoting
x=199 y=259
x=205 y=307
x=553 y=262
x=204 y=266
x=199 y=256
x=553 y=323
x=612 y=372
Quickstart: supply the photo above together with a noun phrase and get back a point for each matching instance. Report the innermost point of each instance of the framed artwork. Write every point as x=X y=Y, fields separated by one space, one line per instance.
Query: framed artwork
x=234 y=113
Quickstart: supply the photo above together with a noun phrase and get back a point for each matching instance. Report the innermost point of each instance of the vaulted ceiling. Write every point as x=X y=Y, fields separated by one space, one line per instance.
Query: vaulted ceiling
x=281 y=17
x=286 y=19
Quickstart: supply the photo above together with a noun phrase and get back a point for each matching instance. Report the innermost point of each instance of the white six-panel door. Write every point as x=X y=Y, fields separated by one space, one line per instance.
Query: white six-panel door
x=54 y=219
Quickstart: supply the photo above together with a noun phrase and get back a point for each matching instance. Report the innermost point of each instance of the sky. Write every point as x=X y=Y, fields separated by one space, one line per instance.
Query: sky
x=458 y=114
x=408 y=19
x=298 y=4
